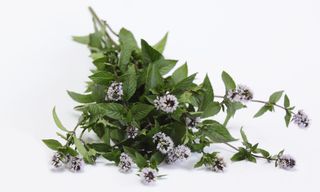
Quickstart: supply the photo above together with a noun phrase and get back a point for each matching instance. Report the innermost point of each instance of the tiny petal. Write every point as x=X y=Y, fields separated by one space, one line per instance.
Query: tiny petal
x=217 y=165
x=56 y=160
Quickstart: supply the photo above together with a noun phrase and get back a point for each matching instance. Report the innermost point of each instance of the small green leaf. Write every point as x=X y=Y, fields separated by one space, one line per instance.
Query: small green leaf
x=102 y=77
x=153 y=78
x=286 y=101
x=207 y=94
x=127 y=44
x=141 y=110
x=140 y=160
x=287 y=118
x=180 y=74
x=57 y=120
x=161 y=44
x=262 y=111
x=52 y=144
x=240 y=156
x=157 y=158
x=275 y=97
x=114 y=111
x=165 y=65
x=82 y=39
x=129 y=83
x=80 y=97
x=243 y=135
x=228 y=81
x=112 y=156
x=82 y=150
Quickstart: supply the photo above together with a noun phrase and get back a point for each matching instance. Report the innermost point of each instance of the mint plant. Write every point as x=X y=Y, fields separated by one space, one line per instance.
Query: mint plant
x=144 y=117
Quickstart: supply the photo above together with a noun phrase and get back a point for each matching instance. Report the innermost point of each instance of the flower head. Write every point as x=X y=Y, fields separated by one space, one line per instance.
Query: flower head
x=218 y=164
x=125 y=163
x=115 y=92
x=180 y=152
x=164 y=143
x=56 y=160
x=75 y=164
x=301 y=119
x=148 y=175
x=286 y=162
x=132 y=132
x=241 y=94
x=167 y=103
x=192 y=122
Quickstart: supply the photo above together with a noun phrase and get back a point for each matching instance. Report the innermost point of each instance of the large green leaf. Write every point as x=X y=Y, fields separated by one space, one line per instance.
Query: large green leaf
x=154 y=78
x=161 y=44
x=149 y=54
x=165 y=65
x=102 y=77
x=275 y=97
x=207 y=94
x=81 y=98
x=180 y=74
x=82 y=150
x=114 y=111
x=129 y=83
x=211 y=109
x=127 y=45
x=141 y=110
x=217 y=133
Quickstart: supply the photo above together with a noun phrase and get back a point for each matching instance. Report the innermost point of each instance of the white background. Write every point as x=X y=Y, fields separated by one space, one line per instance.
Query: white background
x=268 y=45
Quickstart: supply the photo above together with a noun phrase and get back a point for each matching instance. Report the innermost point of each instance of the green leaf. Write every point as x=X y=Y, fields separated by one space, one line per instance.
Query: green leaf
x=275 y=97
x=262 y=111
x=102 y=77
x=157 y=158
x=243 y=135
x=228 y=81
x=95 y=40
x=52 y=144
x=112 y=156
x=154 y=78
x=207 y=94
x=165 y=65
x=161 y=44
x=180 y=74
x=127 y=45
x=186 y=84
x=140 y=160
x=241 y=155
x=82 y=39
x=263 y=152
x=114 y=111
x=217 y=133
x=100 y=147
x=130 y=83
x=57 y=120
x=80 y=97
x=149 y=54
x=211 y=109
x=141 y=110
x=287 y=118
x=82 y=150
x=286 y=101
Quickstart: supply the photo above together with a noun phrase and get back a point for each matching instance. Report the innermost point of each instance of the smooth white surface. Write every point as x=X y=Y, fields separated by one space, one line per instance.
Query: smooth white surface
x=268 y=45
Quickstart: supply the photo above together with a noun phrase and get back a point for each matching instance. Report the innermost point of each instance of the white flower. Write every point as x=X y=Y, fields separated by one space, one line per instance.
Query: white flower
x=132 y=132
x=75 y=164
x=56 y=160
x=301 y=119
x=115 y=92
x=148 y=175
x=167 y=103
x=286 y=162
x=180 y=152
x=125 y=163
x=241 y=94
x=164 y=143
x=217 y=165
x=192 y=122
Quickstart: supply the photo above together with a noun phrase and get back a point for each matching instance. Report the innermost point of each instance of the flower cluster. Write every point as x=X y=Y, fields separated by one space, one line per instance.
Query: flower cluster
x=148 y=175
x=192 y=122
x=217 y=165
x=125 y=163
x=241 y=94
x=180 y=152
x=115 y=92
x=74 y=164
x=286 y=162
x=301 y=119
x=164 y=143
x=167 y=103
